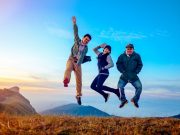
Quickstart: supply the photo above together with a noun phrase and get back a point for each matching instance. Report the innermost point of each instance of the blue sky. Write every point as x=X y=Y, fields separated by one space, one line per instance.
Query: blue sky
x=36 y=38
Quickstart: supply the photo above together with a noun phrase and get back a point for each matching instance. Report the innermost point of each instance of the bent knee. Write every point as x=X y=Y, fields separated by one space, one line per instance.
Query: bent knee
x=93 y=86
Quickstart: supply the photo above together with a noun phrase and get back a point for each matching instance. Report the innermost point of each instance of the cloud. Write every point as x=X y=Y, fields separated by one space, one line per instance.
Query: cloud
x=120 y=35
x=37 y=77
x=171 y=88
x=154 y=88
x=163 y=88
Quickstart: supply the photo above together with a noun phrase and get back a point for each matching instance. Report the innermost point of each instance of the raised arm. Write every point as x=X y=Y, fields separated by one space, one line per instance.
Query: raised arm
x=98 y=47
x=75 y=28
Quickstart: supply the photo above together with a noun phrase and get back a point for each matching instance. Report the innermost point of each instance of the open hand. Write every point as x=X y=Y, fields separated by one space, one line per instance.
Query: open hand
x=74 y=20
x=103 y=45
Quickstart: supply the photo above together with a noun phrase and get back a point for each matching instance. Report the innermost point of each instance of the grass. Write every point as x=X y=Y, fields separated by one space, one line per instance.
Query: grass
x=67 y=125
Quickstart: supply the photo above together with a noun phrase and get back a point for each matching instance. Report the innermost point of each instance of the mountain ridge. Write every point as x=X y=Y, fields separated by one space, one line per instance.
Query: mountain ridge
x=76 y=110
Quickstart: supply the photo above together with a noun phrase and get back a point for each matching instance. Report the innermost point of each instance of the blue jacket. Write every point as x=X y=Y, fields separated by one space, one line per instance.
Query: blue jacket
x=129 y=66
x=102 y=62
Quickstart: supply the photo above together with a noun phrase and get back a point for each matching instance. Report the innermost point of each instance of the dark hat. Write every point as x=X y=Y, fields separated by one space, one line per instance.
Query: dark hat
x=130 y=46
x=108 y=47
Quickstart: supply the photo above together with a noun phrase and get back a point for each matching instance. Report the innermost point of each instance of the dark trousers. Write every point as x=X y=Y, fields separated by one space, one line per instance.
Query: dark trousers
x=109 y=89
x=98 y=82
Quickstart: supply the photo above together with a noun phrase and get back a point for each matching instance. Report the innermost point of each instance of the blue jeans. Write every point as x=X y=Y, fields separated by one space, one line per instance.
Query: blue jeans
x=137 y=85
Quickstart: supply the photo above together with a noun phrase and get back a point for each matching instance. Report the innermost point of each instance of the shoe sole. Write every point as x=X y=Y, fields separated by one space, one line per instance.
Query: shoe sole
x=124 y=104
x=134 y=103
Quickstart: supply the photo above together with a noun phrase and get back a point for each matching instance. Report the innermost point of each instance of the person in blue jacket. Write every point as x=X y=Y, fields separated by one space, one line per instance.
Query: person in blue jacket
x=105 y=62
x=129 y=65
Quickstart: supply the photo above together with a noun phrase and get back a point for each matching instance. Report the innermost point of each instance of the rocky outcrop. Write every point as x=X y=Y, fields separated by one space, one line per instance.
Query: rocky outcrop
x=12 y=102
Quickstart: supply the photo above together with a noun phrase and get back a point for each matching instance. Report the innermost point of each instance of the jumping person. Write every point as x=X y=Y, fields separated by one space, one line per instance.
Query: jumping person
x=129 y=65
x=75 y=60
x=104 y=63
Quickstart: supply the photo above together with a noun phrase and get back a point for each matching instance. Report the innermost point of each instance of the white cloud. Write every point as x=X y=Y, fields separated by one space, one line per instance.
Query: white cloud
x=120 y=35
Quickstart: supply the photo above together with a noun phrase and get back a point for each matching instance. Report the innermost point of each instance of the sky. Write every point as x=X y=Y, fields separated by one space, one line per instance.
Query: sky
x=36 y=38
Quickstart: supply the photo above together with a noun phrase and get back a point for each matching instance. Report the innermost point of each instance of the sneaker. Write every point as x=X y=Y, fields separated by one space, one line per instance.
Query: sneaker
x=134 y=103
x=78 y=100
x=106 y=97
x=123 y=103
x=66 y=81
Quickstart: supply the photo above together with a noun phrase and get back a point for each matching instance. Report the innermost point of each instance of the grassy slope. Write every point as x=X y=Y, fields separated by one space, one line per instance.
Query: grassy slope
x=37 y=124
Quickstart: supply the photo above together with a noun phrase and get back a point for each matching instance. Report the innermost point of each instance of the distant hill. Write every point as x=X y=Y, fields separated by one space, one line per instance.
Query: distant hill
x=12 y=102
x=176 y=116
x=76 y=110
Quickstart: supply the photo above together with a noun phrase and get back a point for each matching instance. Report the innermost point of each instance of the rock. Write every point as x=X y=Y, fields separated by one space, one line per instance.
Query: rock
x=12 y=102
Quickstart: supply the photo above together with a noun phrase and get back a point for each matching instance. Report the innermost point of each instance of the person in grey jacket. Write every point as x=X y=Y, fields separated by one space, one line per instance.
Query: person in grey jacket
x=78 y=52
x=104 y=64
x=129 y=65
